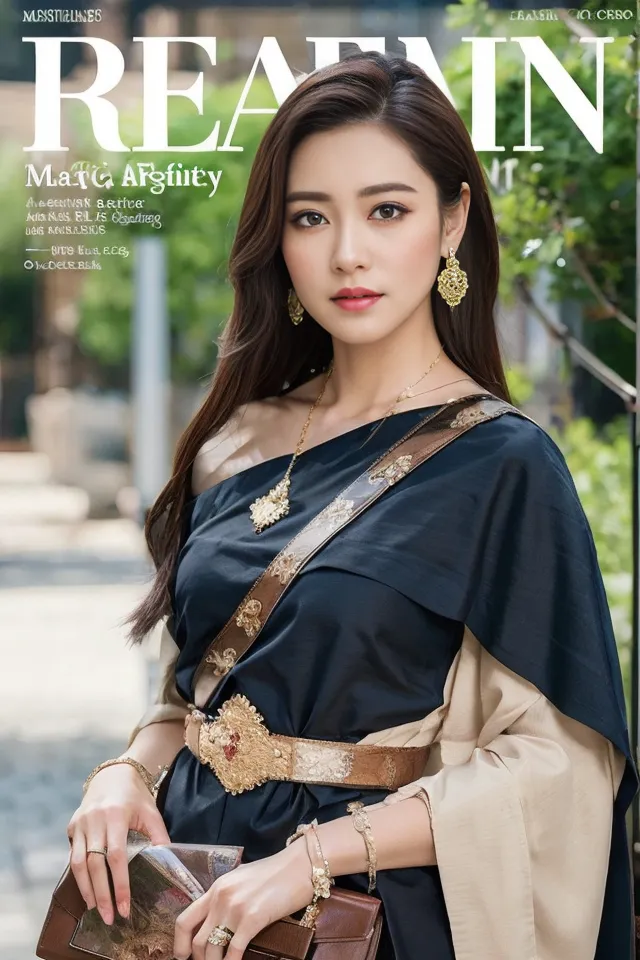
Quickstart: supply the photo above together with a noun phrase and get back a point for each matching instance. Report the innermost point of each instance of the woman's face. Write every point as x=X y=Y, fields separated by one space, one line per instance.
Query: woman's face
x=388 y=240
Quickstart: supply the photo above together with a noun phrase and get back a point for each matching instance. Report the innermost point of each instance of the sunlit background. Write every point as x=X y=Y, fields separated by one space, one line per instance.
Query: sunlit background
x=96 y=384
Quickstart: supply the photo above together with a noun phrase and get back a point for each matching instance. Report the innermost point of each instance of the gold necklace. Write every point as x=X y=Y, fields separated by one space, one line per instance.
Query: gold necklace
x=404 y=394
x=273 y=506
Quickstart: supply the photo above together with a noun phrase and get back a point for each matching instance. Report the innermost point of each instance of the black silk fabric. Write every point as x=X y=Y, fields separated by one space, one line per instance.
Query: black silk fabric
x=488 y=533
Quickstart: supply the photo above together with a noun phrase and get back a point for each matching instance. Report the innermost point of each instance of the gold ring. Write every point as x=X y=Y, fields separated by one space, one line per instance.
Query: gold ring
x=220 y=936
x=102 y=852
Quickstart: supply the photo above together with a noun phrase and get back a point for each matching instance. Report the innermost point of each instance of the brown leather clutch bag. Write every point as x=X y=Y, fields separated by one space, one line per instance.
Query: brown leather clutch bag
x=164 y=881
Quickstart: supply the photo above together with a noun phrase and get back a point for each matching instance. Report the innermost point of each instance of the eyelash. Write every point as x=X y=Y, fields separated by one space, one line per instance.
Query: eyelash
x=305 y=213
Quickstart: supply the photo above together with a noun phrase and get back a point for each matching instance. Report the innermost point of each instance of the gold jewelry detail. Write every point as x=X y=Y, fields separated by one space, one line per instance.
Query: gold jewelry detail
x=273 y=506
x=336 y=513
x=465 y=417
x=452 y=281
x=249 y=617
x=223 y=662
x=404 y=395
x=311 y=763
x=390 y=770
x=149 y=779
x=284 y=567
x=394 y=471
x=220 y=936
x=295 y=308
x=103 y=852
x=236 y=745
x=361 y=822
x=321 y=879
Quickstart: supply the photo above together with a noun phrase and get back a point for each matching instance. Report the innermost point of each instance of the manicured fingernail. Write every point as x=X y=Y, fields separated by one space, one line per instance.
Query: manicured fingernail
x=107 y=916
x=123 y=908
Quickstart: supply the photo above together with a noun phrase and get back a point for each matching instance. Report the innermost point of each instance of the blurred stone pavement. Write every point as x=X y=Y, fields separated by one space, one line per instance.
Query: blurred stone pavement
x=71 y=688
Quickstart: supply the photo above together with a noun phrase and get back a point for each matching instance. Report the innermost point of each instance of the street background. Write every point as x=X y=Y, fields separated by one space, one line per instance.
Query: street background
x=70 y=688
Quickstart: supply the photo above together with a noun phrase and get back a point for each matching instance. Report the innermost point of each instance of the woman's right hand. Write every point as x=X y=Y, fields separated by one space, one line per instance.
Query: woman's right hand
x=117 y=800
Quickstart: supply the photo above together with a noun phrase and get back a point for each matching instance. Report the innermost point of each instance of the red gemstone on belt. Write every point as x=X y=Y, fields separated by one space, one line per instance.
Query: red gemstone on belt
x=231 y=748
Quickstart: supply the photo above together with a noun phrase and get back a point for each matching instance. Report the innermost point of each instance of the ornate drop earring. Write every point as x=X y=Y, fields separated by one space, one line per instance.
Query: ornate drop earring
x=452 y=281
x=295 y=308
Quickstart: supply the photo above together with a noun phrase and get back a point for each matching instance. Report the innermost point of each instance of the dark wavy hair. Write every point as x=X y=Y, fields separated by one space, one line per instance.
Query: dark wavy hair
x=261 y=351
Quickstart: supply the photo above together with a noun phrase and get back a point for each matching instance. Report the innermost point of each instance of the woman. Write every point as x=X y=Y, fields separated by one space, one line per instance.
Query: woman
x=463 y=611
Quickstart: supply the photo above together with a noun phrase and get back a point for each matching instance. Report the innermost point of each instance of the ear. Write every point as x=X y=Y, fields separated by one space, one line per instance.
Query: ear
x=455 y=221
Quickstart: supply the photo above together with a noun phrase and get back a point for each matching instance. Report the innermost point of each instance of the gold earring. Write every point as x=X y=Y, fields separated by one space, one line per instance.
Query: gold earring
x=295 y=308
x=452 y=281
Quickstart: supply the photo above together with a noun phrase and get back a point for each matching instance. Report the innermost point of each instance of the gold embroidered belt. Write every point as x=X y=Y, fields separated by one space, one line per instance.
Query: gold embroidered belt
x=243 y=754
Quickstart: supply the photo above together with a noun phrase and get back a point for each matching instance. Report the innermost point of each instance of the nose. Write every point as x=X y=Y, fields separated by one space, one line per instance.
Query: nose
x=349 y=250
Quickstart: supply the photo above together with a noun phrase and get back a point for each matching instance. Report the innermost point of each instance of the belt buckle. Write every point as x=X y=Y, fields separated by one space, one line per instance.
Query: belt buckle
x=239 y=748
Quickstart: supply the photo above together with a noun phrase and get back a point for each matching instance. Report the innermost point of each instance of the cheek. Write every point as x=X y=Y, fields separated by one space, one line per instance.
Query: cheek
x=298 y=256
x=416 y=256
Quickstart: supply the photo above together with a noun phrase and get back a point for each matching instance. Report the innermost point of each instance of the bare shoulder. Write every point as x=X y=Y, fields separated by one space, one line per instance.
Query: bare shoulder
x=256 y=431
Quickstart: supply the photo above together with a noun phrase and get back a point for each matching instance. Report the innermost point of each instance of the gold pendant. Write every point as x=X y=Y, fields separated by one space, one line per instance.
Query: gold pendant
x=267 y=510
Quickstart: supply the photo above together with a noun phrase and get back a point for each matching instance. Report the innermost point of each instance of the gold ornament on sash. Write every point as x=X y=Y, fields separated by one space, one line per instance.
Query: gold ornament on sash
x=452 y=281
x=295 y=308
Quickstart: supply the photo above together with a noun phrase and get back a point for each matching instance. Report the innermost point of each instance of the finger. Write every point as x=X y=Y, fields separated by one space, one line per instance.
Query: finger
x=241 y=940
x=117 y=859
x=78 y=863
x=233 y=950
x=155 y=828
x=202 y=949
x=97 y=866
x=186 y=925
x=213 y=952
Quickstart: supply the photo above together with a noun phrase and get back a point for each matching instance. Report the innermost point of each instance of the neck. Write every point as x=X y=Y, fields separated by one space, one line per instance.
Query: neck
x=367 y=378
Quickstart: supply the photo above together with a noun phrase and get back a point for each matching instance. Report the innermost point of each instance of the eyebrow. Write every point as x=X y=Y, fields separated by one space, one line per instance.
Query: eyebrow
x=365 y=192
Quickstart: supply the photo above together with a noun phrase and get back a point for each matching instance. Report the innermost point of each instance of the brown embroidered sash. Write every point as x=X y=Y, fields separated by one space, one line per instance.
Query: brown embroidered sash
x=433 y=433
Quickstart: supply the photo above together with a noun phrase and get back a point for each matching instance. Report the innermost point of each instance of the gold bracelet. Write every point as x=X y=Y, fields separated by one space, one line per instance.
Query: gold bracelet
x=149 y=780
x=361 y=822
x=321 y=879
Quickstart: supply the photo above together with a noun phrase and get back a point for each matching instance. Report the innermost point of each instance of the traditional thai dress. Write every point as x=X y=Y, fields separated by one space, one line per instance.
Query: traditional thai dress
x=464 y=609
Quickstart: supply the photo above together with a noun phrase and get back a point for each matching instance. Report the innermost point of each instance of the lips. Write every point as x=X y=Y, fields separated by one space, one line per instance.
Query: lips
x=355 y=293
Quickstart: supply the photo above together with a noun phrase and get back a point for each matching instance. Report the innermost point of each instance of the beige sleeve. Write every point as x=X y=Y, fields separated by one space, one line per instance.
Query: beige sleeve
x=521 y=803
x=168 y=704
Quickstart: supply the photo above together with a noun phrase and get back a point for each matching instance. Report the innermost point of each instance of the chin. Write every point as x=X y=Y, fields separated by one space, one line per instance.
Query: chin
x=356 y=330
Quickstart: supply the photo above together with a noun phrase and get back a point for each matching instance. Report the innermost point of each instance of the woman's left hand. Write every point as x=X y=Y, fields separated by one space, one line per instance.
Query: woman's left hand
x=246 y=900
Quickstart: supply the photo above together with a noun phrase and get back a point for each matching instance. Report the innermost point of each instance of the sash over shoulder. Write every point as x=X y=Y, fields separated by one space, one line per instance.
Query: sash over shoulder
x=433 y=433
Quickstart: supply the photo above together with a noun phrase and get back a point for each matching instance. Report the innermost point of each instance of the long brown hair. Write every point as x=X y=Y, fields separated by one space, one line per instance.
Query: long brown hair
x=261 y=351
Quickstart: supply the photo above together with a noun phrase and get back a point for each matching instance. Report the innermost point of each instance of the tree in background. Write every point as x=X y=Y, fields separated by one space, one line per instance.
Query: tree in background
x=570 y=209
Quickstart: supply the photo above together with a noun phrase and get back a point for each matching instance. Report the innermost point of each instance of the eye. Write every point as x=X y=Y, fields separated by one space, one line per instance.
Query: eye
x=392 y=206
x=307 y=213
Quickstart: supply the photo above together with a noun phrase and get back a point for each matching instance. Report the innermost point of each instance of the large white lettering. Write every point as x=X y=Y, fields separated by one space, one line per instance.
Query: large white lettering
x=110 y=67
x=588 y=119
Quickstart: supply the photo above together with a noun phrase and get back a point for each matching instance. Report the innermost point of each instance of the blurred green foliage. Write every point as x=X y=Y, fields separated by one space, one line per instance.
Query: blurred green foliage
x=601 y=466
x=570 y=209
x=197 y=231
x=16 y=283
